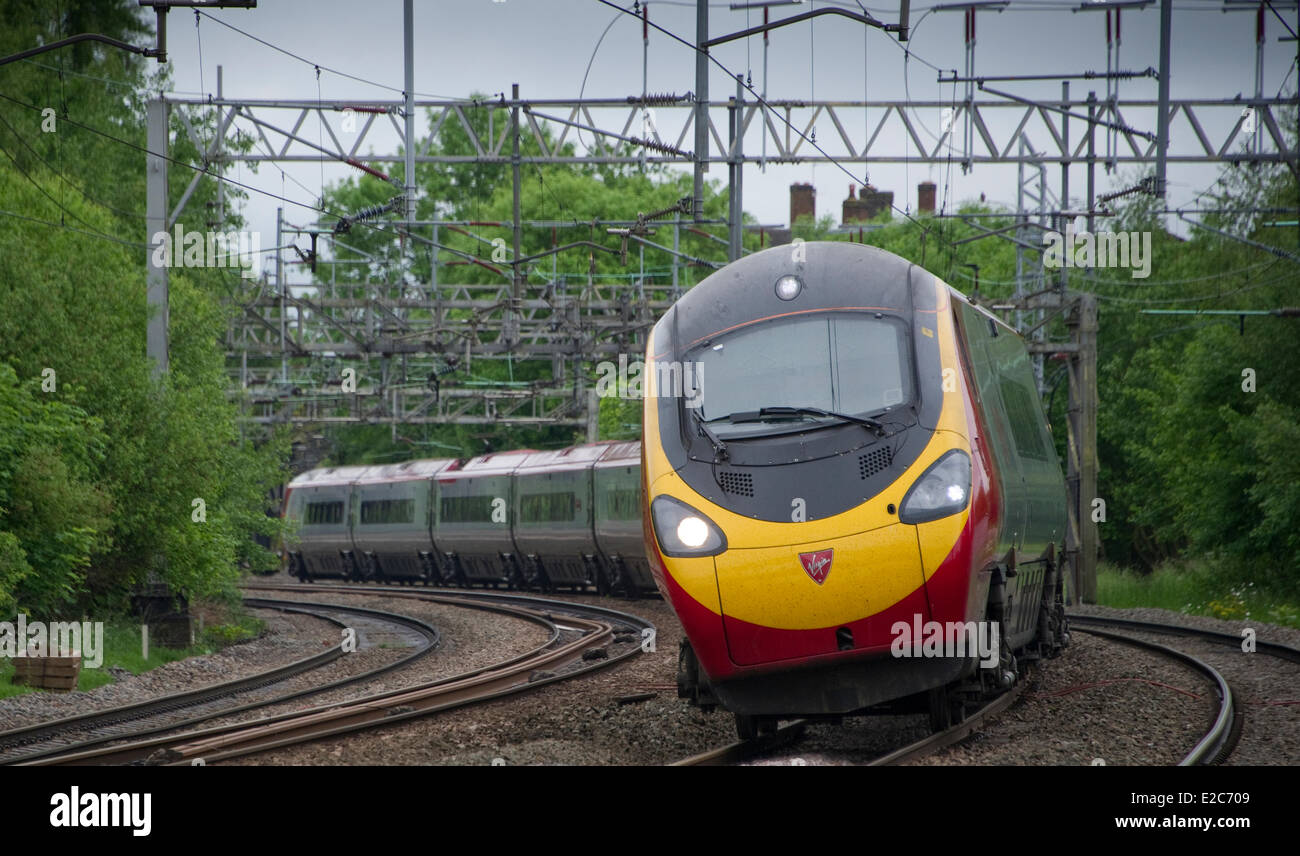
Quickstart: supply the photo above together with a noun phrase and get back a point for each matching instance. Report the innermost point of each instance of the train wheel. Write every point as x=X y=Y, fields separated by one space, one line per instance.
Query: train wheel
x=946 y=710
x=746 y=726
x=750 y=727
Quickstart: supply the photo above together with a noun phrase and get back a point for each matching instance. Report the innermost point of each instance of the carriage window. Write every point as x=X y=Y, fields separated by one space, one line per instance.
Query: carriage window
x=387 y=511
x=466 y=509
x=623 y=504
x=324 y=513
x=546 y=507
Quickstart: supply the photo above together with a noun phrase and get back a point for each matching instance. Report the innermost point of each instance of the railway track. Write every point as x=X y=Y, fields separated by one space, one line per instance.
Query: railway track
x=1217 y=742
x=1214 y=746
x=140 y=719
x=744 y=750
x=1222 y=738
x=582 y=638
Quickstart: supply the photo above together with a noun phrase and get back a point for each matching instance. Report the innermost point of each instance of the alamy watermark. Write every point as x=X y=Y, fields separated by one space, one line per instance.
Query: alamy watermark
x=132 y=811
x=23 y=638
x=954 y=639
x=190 y=249
x=1100 y=249
x=673 y=379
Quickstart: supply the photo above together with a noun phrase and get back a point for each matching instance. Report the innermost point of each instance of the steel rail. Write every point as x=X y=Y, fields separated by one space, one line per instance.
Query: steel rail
x=43 y=731
x=516 y=674
x=1217 y=742
x=1276 y=649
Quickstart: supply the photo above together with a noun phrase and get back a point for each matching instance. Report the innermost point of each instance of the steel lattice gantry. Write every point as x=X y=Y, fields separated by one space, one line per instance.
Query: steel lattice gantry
x=1201 y=130
x=398 y=323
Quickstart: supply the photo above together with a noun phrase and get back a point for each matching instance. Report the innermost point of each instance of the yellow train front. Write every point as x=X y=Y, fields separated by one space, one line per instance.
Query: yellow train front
x=841 y=459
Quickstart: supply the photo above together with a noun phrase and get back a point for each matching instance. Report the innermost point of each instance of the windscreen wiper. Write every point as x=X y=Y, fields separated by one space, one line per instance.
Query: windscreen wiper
x=765 y=413
x=719 y=447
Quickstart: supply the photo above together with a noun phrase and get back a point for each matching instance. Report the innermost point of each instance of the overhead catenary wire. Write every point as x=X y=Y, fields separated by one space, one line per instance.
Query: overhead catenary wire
x=63 y=208
x=267 y=193
x=761 y=101
x=1058 y=6
x=318 y=65
x=60 y=175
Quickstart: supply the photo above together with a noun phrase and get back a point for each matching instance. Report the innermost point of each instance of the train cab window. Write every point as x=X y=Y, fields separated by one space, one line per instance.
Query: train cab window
x=546 y=507
x=465 y=509
x=324 y=513
x=1025 y=417
x=1007 y=390
x=812 y=361
x=387 y=511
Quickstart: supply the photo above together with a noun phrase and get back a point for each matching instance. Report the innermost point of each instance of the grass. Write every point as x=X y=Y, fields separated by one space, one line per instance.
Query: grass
x=1196 y=588
x=221 y=627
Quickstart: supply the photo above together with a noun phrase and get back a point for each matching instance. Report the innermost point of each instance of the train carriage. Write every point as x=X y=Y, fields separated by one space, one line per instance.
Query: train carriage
x=320 y=501
x=473 y=508
x=392 y=533
x=616 y=484
x=553 y=518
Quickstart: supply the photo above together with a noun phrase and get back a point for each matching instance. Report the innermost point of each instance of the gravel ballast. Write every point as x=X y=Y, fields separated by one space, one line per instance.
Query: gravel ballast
x=1101 y=702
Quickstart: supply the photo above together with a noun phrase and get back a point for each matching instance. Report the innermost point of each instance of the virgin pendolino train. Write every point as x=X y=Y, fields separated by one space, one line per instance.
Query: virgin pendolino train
x=838 y=448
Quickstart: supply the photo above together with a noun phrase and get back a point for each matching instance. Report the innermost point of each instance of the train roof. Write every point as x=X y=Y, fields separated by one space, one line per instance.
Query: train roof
x=327 y=476
x=622 y=453
x=564 y=460
x=372 y=473
x=408 y=470
x=493 y=464
x=836 y=276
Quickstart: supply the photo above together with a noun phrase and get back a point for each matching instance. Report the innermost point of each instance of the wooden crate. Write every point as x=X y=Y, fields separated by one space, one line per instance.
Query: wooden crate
x=50 y=673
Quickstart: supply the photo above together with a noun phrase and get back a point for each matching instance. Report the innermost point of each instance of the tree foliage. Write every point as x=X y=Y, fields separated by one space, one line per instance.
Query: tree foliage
x=100 y=465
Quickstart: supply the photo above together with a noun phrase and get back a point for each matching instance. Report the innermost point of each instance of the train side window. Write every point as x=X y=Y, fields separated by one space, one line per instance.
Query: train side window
x=324 y=513
x=546 y=507
x=623 y=504
x=465 y=509
x=977 y=335
x=1025 y=416
x=1020 y=396
x=387 y=511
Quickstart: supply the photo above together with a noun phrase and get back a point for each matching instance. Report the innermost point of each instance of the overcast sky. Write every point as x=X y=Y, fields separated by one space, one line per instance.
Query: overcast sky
x=465 y=46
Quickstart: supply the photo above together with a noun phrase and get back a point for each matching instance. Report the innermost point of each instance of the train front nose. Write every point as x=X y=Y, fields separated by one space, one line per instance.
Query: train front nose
x=827 y=597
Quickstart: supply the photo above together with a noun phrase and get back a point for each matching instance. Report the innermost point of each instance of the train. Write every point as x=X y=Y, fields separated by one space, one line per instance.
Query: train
x=846 y=489
x=546 y=520
x=850 y=491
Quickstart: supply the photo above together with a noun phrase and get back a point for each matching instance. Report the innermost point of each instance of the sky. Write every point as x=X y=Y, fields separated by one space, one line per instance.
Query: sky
x=548 y=47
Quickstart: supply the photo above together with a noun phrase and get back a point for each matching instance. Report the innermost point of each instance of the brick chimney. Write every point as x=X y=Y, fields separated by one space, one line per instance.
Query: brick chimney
x=871 y=203
x=925 y=197
x=803 y=202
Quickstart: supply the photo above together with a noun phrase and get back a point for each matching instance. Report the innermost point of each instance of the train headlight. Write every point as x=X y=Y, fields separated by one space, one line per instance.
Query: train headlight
x=682 y=531
x=788 y=287
x=943 y=489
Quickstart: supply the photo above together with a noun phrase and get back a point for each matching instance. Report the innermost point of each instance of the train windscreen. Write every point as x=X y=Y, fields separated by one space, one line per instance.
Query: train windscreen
x=850 y=363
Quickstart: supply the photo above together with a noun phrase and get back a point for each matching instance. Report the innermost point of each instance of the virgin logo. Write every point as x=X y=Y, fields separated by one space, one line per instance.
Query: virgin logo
x=817 y=565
